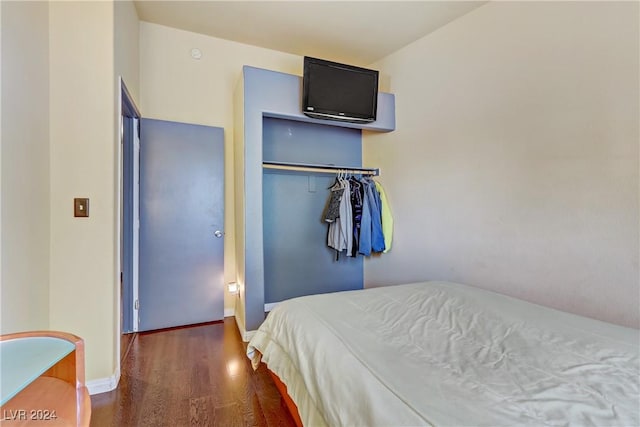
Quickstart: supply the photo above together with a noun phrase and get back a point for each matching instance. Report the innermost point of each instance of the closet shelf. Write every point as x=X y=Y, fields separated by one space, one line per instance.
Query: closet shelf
x=322 y=168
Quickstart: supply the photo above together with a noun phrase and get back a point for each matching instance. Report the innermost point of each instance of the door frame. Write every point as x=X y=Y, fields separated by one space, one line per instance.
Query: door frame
x=129 y=115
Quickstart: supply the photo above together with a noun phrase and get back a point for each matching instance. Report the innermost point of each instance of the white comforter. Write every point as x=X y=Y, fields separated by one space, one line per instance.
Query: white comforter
x=450 y=355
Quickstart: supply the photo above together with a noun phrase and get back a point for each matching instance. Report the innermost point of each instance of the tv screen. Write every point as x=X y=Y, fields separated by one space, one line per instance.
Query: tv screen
x=338 y=91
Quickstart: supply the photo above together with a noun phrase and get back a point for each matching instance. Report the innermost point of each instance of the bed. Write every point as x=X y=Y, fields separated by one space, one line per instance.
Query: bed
x=447 y=354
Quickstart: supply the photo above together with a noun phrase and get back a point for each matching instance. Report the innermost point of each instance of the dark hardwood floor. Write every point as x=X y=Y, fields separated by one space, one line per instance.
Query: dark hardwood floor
x=192 y=376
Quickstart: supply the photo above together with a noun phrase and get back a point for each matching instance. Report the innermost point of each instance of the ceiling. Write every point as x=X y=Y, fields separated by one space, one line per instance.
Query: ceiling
x=356 y=32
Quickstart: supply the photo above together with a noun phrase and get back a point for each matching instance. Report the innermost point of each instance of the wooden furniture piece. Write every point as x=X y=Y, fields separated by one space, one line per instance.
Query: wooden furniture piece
x=291 y=406
x=42 y=380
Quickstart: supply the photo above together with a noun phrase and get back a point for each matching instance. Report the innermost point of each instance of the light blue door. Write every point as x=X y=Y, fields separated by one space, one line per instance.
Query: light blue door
x=181 y=224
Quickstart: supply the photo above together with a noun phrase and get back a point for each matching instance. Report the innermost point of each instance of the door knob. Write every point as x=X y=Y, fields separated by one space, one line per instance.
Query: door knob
x=218 y=233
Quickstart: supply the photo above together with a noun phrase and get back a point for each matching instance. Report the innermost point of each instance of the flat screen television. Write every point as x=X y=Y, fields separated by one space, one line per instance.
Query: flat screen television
x=335 y=91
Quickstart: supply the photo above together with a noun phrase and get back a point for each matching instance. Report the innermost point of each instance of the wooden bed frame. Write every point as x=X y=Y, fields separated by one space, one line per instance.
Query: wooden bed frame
x=282 y=388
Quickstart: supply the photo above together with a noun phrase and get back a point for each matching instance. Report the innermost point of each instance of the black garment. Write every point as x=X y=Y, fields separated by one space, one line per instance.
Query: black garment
x=356 y=208
x=333 y=206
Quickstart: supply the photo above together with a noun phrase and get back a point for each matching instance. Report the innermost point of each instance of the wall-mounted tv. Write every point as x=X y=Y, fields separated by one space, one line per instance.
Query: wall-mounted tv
x=335 y=91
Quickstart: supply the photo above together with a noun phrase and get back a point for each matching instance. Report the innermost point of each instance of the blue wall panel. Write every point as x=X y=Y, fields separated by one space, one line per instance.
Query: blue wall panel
x=297 y=260
x=292 y=141
x=269 y=94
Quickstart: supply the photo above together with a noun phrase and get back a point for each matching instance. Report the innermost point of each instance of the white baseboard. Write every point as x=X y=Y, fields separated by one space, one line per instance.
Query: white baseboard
x=103 y=385
x=246 y=335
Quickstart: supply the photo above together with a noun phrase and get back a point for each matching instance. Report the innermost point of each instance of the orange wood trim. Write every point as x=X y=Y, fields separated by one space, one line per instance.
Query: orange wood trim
x=53 y=334
x=84 y=407
x=282 y=388
x=64 y=370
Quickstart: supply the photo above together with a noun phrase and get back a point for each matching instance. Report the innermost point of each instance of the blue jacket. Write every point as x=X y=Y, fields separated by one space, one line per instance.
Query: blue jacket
x=371 y=237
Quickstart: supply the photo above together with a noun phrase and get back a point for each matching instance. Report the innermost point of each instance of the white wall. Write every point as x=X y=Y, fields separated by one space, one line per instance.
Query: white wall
x=83 y=280
x=239 y=241
x=58 y=142
x=127 y=46
x=514 y=166
x=176 y=87
x=25 y=166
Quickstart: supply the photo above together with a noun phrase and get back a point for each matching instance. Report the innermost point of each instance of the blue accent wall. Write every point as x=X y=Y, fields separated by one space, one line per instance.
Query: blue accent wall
x=293 y=141
x=297 y=260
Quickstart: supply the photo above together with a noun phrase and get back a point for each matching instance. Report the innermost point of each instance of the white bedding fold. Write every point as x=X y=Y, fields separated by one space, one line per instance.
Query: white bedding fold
x=447 y=354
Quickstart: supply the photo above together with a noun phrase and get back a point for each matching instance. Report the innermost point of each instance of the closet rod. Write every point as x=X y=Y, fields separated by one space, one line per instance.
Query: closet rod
x=314 y=167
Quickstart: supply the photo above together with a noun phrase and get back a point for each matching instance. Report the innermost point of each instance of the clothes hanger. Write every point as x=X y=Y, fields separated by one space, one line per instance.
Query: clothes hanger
x=337 y=183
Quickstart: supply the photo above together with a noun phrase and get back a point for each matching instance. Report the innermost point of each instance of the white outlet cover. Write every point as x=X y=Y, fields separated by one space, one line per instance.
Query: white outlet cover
x=196 y=53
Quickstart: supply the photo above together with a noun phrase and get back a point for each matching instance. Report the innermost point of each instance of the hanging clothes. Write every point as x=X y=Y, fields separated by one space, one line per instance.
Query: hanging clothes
x=346 y=220
x=377 y=236
x=387 y=219
x=333 y=235
x=360 y=221
x=332 y=212
x=356 y=208
x=364 y=247
x=340 y=234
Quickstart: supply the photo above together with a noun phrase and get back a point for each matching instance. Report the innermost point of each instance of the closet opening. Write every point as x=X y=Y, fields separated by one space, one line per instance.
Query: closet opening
x=297 y=260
